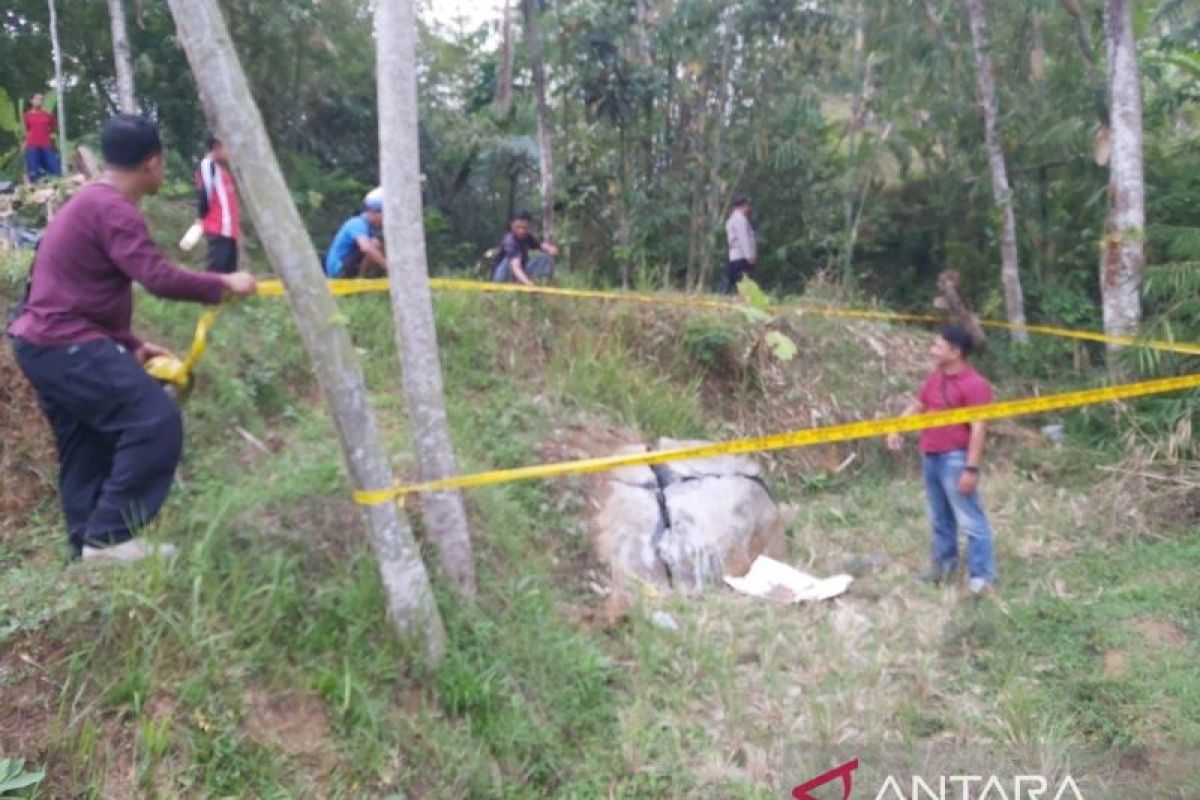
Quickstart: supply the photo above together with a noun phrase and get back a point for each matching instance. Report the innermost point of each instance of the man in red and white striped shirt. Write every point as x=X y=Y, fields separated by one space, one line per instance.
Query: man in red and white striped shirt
x=218 y=207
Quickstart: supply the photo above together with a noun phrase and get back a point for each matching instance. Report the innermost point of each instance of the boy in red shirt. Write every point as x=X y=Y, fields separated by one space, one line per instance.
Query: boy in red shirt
x=951 y=456
x=218 y=207
x=40 y=156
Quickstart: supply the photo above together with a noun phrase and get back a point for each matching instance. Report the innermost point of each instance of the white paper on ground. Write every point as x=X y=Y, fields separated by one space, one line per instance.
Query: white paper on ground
x=770 y=578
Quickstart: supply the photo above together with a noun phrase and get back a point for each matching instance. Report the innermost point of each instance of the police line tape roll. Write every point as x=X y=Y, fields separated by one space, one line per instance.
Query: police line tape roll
x=800 y=438
x=171 y=369
x=347 y=287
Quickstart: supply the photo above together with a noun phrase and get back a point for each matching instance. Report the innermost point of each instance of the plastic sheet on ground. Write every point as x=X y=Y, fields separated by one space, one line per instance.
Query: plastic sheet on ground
x=774 y=580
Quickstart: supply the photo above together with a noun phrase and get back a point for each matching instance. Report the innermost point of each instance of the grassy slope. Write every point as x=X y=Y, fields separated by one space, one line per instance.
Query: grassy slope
x=260 y=663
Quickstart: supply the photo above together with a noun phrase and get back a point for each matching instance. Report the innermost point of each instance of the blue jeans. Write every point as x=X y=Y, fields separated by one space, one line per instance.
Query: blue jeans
x=951 y=511
x=540 y=267
x=41 y=161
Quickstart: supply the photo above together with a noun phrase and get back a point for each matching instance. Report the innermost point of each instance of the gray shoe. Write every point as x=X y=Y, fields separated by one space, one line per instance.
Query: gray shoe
x=128 y=552
x=979 y=586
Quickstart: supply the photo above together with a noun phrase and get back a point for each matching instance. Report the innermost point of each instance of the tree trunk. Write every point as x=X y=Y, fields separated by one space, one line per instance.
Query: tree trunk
x=235 y=119
x=1010 y=275
x=412 y=303
x=502 y=99
x=1123 y=256
x=61 y=110
x=716 y=201
x=121 y=57
x=533 y=40
x=854 y=135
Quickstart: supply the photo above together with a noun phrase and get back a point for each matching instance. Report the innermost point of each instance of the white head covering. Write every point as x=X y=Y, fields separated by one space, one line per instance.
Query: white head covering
x=374 y=199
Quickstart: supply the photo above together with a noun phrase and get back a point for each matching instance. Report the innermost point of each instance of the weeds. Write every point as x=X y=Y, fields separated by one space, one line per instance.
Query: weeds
x=260 y=662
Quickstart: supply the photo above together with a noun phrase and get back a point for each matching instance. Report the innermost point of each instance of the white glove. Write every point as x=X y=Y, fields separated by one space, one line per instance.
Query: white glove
x=192 y=237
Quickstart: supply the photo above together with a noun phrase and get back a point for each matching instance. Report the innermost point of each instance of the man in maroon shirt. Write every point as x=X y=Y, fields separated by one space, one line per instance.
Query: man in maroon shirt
x=951 y=456
x=40 y=156
x=119 y=435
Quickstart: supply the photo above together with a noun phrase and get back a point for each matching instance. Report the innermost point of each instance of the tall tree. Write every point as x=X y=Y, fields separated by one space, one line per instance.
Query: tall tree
x=61 y=109
x=121 y=57
x=1010 y=275
x=1123 y=256
x=235 y=118
x=533 y=41
x=502 y=99
x=412 y=303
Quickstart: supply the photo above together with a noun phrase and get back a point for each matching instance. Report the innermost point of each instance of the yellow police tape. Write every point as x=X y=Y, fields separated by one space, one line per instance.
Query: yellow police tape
x=342 y=288
x=178 y=372
x=801 y=438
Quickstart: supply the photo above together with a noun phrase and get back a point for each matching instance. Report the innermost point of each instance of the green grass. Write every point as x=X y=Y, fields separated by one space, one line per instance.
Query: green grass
x=260 y=663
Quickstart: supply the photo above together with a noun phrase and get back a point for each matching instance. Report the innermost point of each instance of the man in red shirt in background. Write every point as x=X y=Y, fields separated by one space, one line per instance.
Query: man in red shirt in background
x=40 y=156
x=119 y=435
x=218 y=208
x=951 y=456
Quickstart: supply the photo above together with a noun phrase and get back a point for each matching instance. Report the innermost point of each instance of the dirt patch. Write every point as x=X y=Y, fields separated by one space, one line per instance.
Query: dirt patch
x=27 y=461
x=294 y=723
x=330 y=527
x=1115 y=663
x=121 y=777
x=28 y=696
x=1160 y=632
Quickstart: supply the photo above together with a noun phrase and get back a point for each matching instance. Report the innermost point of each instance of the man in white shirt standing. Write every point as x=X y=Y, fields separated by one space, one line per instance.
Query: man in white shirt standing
x=743 y=251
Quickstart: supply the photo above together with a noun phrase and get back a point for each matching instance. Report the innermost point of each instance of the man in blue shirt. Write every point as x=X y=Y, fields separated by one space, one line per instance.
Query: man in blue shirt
x=356 y=250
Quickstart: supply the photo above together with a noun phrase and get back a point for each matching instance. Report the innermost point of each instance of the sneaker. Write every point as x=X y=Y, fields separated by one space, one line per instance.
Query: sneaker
x=128 y=552
x=979 y=586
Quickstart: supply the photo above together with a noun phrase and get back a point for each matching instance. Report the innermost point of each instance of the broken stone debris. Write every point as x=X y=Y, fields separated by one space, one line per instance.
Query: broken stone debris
x=686 y=524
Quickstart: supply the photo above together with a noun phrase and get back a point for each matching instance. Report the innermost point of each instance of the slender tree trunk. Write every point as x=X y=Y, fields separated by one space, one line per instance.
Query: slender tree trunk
x=533 y=40
x=853 y=141
x=716 y=203
x=61 y=109
x=1010 y=275
x=1123 y=255
x=502 y=100
x=412 y=303
x=126 y=99
x=235 y=118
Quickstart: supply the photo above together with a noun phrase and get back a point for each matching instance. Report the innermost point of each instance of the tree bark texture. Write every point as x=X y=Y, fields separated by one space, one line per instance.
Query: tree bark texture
x=412 y=302
x=122 y=59
x=502 y=100
x=533 y=41
x=236 y=120
x=1123 y=255
x=1010 y=275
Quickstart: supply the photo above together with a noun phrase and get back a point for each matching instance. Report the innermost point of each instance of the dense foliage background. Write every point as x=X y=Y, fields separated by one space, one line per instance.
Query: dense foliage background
x=842 y=119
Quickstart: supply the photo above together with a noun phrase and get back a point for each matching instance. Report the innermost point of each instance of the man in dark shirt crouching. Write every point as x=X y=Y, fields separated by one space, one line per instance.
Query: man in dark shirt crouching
x=119 y=435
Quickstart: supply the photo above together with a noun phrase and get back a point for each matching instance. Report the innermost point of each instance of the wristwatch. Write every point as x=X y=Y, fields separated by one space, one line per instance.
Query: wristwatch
x=970 y=468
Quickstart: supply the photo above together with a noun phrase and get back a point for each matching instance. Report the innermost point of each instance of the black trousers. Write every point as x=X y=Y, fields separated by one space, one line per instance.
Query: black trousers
x=222 y=254
x=734 y=272
x=355 y=265
x=119 y=436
